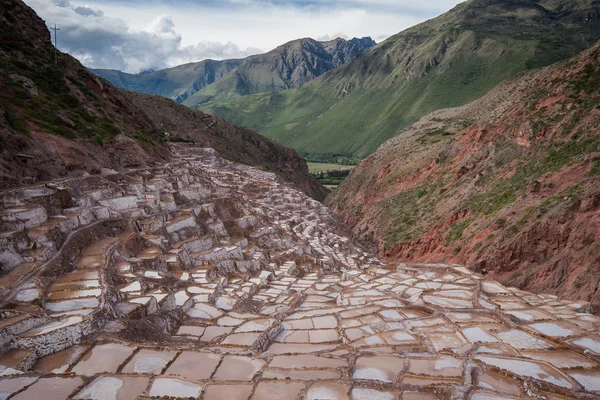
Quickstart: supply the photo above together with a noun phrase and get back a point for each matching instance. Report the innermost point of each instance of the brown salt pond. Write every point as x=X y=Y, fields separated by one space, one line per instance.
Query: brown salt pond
x=241 y=339
x=103 y=358
x=12 y=358
x=178 y=388
x=301 y=375
x=222 y=392
x=194 y=366
x=327 y=390
x=10 y=385
x=237 y=368
x=191 y=330
x=114 y=388
x=60 y=361
x=561 y=359
x=148 y=361
x=212 y=332
x=306 y=361
x=57 y=388
x=443 y=366
x=498 y=381
x=379 y=368
x=277 y=390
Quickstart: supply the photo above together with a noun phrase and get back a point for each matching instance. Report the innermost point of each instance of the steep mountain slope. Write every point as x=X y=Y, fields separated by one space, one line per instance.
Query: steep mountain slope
x=445 y=62
x=509 y=184
x=288 y=66
x=73 y=123
x=174 y=83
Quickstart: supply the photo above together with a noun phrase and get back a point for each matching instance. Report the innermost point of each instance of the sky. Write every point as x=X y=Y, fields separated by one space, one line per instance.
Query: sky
x=141 y=35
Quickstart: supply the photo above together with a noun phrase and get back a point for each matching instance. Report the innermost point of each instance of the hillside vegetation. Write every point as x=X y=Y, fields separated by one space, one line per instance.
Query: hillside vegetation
x=508 y=185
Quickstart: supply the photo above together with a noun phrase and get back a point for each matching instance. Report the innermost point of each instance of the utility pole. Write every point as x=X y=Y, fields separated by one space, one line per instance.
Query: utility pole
x=55 y=29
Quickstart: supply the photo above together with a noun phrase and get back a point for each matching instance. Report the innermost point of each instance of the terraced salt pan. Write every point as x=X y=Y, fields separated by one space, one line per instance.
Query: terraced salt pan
x=536 y=370
x=172 y=387
x=204 y=311
x=522 y=340
x=103 y=358
x=149 y=362
x=561 y=358
x=590 y=380
x=379 y=368
x=349 y=323
x=557 y=329
x=59 y=362
x=237 y=368
x=113 y=388
x=53 y=388
x=591 y=343
x=476 y=334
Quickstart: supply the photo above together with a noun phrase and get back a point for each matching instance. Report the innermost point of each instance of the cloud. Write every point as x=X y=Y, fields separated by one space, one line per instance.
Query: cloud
x=139 y=35
x=87 y=11
x=325 y=38
x=100 y=41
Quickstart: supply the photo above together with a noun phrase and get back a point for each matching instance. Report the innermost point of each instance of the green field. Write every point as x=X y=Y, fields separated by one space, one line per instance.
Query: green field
x=322 y=167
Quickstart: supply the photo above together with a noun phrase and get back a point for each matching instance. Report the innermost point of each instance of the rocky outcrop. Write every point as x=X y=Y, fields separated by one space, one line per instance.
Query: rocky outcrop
x=507 y=185
x=300 y=61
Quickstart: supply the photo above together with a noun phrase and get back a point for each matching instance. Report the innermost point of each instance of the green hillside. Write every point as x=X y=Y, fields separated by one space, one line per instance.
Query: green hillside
x=444 y=62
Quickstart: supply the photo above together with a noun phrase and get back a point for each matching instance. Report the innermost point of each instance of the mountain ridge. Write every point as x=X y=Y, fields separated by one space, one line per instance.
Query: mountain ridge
x=445 y=62
x=279 y=69
x=175 y=83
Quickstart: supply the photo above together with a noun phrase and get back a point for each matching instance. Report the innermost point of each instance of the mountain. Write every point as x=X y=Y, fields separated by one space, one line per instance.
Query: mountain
x=174 y=83
x=444 y=62
x=72 y=122
x=288 y=66
x=508 y=185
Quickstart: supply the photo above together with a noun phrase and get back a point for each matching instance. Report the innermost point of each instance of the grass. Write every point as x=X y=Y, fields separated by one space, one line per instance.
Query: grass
x=61 y=107
x=17 y=123
x=595 y=170
x=457 y=229
x=321 y=167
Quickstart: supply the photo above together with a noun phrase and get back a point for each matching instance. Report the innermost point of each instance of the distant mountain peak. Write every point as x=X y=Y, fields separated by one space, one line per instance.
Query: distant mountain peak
x=289 y=65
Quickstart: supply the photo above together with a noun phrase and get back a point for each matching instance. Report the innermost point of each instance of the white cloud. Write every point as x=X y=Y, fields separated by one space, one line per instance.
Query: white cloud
x=326 y=38
x=135 y=35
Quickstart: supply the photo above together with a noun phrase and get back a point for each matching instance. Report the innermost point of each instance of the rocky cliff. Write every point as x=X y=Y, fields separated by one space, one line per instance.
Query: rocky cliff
x=72 y=122
x=508 y=184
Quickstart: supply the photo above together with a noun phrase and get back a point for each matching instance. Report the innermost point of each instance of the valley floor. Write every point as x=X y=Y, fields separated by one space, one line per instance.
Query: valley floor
x=203 y=278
